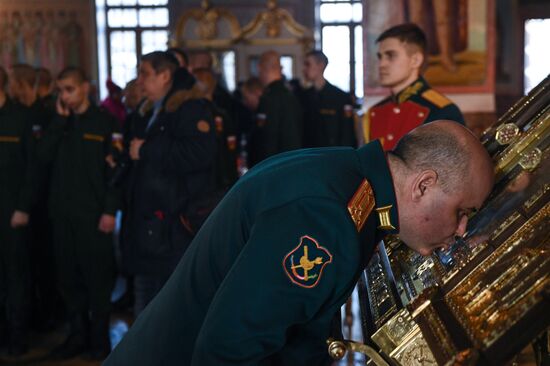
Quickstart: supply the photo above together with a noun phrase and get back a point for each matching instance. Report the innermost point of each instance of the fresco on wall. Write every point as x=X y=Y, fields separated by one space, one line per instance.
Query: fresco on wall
x=42 y=38
x=460 y=37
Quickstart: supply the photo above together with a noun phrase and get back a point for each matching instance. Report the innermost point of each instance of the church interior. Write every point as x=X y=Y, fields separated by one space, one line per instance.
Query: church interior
x=482 y=304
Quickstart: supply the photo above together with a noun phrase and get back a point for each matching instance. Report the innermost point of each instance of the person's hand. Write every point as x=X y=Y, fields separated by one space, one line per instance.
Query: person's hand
x=61 y=108
x=110 y=161
x=106 y=223
x=19 y=219
x=135 y=145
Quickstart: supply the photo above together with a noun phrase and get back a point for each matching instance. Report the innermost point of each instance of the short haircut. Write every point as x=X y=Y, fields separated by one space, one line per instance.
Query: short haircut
x=436 y=149
x=409 y=33
x=24 y=73
x=43 y=77
x=3 y=78
x=207 y=79
x=73 y=72
x=178 y=51
x=161 y=61
x=252 y=84
x=319 y=56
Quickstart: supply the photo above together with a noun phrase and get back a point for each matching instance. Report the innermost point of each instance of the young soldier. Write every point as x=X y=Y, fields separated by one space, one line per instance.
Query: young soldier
x=16 y=194
x=328 y=110
x=279 y=122
x=402 y=54
x=82 y=208
x=226 y=134
x=26 y=86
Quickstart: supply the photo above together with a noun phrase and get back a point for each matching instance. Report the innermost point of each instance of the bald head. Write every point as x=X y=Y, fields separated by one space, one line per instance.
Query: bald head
x=269 y=67
x=446 y=147
x=442 y=174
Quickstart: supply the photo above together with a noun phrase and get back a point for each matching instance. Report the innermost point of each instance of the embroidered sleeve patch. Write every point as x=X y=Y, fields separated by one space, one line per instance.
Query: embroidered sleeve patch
x=304 y=265
x=203 y=126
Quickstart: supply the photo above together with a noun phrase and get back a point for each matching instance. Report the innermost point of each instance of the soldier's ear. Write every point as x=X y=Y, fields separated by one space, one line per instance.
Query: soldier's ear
x=417 y=59
x=422 y=184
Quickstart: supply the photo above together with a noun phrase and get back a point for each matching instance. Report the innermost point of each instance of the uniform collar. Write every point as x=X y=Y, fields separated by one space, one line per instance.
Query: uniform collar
x=375 y=168
x=416 y=87
x=276 y=84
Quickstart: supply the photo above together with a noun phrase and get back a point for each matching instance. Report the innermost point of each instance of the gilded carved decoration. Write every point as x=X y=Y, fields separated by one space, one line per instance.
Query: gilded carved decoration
x=207 y=26
x=280 y=28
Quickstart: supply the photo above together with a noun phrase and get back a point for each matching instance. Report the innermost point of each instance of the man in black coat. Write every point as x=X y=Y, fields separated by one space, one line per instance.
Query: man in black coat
x=328 y=110
x=172 y=151
x=82 y=208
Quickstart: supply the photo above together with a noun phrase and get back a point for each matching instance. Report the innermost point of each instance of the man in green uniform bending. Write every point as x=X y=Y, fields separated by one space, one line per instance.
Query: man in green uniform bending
x=82 y=207
x=282 y=252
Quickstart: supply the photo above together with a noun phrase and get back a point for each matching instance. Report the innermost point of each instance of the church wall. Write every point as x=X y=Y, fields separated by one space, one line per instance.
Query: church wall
x=51 y=34
x=74 y=22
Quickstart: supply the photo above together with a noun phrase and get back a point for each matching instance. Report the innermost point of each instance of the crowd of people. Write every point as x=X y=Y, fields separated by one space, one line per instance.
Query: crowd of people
x=162 y=151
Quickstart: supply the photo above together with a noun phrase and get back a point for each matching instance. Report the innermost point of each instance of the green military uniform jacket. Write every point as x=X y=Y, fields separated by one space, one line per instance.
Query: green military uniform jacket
x=279 y=123
x=77 y=147
x=328 y=117
x=17 y=164
x=248 y=291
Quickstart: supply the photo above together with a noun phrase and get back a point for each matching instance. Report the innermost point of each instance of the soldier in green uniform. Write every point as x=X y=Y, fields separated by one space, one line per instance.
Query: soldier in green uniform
x=328 y=110
x=279 y=121
x=270 y=268
x=16 y=196
x=82 y=208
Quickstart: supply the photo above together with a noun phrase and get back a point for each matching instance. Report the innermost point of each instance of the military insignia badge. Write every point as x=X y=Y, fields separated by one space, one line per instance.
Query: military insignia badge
x=304 y=265
x=219 y=124
x=117 y=141
x=203 y=126
x=231 y=142
x=348 y=111
x=37 y=131
x=260 y=119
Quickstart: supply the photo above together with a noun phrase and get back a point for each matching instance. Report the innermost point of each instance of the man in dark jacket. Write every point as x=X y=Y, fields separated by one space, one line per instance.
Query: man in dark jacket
x=279 y=122
x=82 y=207
x=328 y=110
x=172 y=150
x=16 y=195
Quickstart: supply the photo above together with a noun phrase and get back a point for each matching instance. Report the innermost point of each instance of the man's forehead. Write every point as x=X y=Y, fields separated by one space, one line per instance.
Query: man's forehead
x=145 y=66
x=395 y=44
x=69 y=81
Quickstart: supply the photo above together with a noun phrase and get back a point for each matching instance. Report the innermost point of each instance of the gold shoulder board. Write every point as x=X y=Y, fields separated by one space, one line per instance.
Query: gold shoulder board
x=361 y=204
x=436 y=98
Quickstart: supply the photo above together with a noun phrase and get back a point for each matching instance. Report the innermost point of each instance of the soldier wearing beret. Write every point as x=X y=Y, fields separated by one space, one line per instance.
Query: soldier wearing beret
x=77 y=144
x=263 y=279
x=328 y=110
x=402 y=55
